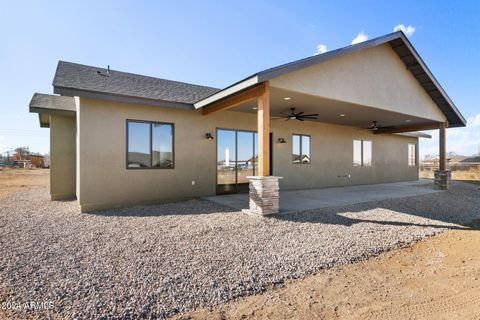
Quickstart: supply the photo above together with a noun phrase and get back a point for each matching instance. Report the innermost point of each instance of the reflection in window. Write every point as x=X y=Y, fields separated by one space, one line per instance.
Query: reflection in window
x=412 y=155
x=367 y=153
x=162 y=139
x=362 y=153
x=300 y=149
x=138 y=145
x=149 y=145
x=357 y=153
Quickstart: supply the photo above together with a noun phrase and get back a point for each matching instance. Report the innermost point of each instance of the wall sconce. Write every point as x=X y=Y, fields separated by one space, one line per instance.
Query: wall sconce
x=209 y=136
x=281 y=140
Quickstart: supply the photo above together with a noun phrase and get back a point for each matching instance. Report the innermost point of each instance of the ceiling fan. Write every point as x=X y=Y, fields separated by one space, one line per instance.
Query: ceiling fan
x=374 y=126
x=300 y=116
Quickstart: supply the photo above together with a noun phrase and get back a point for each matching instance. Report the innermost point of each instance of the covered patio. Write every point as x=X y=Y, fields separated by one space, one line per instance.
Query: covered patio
x=379 y=87
x=310 y=199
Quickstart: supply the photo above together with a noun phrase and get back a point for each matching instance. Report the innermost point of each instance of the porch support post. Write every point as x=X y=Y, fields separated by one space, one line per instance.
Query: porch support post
x=443 y=176
x=443 y=147
x=263 y=123
x=264 y=188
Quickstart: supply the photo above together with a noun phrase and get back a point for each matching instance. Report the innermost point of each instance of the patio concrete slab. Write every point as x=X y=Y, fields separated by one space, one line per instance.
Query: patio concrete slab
x=308 y=199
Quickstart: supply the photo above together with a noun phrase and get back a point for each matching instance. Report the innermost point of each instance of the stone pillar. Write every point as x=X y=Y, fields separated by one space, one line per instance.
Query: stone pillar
x=443 y=179
x=264 y=195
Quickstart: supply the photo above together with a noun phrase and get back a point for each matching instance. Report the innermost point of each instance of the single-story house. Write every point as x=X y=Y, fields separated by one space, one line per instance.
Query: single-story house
x=346 y=117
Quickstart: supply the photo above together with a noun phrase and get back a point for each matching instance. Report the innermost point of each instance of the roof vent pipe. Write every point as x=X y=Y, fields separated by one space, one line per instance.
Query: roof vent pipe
x=108 y=69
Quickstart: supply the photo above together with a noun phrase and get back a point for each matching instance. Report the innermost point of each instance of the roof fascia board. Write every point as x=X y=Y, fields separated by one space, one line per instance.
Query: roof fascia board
x=244 y=84
x=68 y=113
x=414 y=134
x=121 y=98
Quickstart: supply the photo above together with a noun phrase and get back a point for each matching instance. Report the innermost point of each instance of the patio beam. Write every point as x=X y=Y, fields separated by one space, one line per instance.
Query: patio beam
x=232 y=101
x=263 y=123
x=419 y=127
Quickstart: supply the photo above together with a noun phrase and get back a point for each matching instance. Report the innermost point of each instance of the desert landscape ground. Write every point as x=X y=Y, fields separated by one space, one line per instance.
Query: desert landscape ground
x=14 y=180
x=435 y=278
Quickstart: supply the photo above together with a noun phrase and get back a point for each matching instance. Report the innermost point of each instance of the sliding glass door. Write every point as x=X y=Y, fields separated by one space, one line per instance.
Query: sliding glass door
x=236 y=159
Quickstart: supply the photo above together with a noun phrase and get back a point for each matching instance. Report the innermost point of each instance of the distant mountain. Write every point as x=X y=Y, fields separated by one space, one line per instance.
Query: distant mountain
x=475 y=159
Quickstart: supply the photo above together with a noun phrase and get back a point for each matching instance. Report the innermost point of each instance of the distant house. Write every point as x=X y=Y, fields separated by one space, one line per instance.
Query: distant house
x=37 y=160
x=119 y=138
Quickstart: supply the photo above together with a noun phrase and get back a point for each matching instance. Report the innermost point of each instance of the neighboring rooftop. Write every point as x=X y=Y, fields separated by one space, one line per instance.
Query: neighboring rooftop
x=72 y=77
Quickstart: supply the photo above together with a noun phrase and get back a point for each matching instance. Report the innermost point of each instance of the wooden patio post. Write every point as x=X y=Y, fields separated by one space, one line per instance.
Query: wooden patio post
x=443 y=176
x=443 y=147
x=264 y=188
x=263 y=122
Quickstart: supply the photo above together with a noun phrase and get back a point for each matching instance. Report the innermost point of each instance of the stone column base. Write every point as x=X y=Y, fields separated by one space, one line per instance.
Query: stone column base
x=264 y=195
x=443 y=179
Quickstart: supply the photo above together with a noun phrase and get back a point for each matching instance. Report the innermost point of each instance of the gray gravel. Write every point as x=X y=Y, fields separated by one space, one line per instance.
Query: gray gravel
x=156 y=261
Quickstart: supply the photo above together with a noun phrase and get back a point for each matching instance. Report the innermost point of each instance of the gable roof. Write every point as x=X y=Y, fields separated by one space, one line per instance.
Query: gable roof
x=77 y=79
x=400 y=44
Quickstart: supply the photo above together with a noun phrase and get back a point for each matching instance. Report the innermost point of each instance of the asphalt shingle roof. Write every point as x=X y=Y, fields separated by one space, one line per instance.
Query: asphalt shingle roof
x=50 y=101
x=81 y=77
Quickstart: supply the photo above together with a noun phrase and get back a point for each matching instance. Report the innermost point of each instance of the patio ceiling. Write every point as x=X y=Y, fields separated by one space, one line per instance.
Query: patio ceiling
x=331 y=111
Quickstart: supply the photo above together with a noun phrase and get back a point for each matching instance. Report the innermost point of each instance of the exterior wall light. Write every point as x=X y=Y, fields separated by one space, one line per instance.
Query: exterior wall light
x=209 y=136
x=281 y=140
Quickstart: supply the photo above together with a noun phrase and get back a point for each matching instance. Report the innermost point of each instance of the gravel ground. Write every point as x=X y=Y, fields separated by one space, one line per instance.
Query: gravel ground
x=156 y=261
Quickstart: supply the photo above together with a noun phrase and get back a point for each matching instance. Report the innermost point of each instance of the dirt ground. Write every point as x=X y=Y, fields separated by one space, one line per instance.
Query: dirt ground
x=14 y=180
x=437 y=278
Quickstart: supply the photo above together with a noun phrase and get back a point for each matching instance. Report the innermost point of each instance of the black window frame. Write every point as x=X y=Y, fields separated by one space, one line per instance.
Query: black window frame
x=151 y=123
x=301 y=135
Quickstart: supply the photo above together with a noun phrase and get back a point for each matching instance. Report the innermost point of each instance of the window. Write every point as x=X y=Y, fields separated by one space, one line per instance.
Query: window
x=362 y=153
x=412 y=154
x=300 y=149
x=149 y=145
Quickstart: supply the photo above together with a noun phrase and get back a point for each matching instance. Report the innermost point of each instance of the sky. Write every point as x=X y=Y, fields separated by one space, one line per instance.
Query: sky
x=217 y=43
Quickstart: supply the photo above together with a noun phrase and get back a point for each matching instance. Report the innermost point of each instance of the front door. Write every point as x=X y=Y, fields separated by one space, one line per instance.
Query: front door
x=236 y=159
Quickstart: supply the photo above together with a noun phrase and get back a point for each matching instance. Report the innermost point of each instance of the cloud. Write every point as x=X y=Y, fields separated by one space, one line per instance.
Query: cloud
x=463 y=141
x=360 y=38
x=2 y=138
x=474 y=121
x=408 y=30
x=321 y=48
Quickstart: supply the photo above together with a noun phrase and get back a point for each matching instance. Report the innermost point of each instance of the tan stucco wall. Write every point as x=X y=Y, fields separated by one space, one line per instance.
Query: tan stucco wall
x=332 y=157
x=374 y=77
x=62 y=157
x=103 y=180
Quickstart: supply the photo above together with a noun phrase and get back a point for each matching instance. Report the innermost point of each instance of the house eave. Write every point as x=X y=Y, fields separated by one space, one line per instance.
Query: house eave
x=236 y=87
x=436 y=92
x=73 y=92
